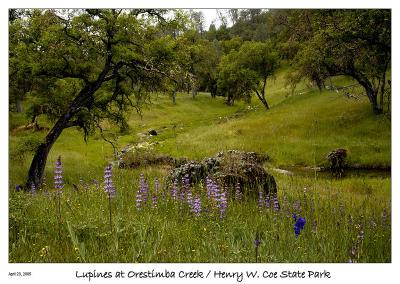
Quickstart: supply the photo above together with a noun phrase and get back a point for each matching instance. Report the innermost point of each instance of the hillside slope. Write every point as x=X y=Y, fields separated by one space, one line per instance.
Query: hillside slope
x=299 y=129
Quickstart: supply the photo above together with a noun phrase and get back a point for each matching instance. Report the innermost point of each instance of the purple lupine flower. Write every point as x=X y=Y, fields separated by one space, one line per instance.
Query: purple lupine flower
x=196 y=206
x=223 y=204
x=186 y=182
x=209 y=186
x=160 y=194
x=300 y=223
x=216 y=194
x=260 y=200
x=267 y=201
x=212 y=189
x=139 y=200
x=58 y=179
x=18 y=188
x=238 y=192
x=108 y=183
x=257 y=242
x=189 y=196
x=294 y=217
x=154 y=201
x=143 y=188
x=277 y=207
x=181 y=196
x=174 y=191
x=33 y=188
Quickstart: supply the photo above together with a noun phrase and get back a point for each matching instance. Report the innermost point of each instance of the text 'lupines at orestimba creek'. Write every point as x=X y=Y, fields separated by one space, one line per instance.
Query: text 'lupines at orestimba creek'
x=238 y=276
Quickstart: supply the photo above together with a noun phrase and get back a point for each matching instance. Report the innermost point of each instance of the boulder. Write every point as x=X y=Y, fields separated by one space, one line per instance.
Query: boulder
x=229 y=168
x=152 y=132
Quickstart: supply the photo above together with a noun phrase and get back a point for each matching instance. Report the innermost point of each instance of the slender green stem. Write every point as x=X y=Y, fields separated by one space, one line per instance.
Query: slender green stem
x=109 y=206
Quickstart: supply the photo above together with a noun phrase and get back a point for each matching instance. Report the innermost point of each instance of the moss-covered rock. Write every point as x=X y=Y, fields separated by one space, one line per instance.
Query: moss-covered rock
x=229 y=168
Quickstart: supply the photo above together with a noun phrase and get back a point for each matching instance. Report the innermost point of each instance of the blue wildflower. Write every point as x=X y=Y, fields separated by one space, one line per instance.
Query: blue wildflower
x=299 y=225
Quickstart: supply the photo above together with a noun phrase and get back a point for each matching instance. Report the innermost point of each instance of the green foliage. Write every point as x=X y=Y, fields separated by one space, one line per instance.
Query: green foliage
x=352 y=42
x=247 y=70
x=24 y=146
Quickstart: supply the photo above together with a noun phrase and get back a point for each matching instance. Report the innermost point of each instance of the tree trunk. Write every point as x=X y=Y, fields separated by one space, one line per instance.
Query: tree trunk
x=194 y=92
x=174 y=97
x=36 y=170
x=374 y=102
x=371 y=93
x=262 y=99
x=19 y=106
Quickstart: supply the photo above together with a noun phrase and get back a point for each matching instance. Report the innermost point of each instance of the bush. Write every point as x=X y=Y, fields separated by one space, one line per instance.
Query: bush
x=24 y=146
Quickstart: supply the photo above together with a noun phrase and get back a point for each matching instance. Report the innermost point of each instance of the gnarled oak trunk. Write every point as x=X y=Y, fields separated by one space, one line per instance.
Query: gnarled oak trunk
x=36 y=170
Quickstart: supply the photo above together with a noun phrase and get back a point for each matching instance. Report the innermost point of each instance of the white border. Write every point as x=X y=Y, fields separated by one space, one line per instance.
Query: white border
x=65 y=273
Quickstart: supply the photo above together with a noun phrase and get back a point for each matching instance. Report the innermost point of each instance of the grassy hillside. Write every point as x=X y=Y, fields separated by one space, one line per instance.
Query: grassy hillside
x=299 y=129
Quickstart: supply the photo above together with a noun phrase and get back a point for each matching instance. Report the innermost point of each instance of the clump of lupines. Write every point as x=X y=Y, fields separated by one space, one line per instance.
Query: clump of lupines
x=300 y=223
x=108 y=183
x=58 y=179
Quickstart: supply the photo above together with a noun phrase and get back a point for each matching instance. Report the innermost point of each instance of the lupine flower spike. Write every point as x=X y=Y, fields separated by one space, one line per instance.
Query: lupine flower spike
x=58 y=179
x=223 y=204
x=108 y=183
x=196 y=206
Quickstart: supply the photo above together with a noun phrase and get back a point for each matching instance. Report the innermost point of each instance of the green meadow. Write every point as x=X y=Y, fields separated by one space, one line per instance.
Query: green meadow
x=347 y=219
